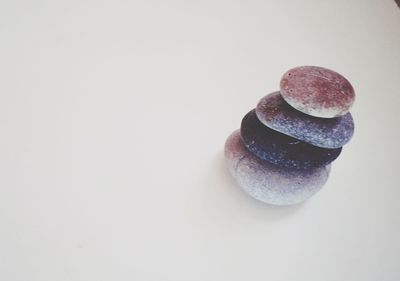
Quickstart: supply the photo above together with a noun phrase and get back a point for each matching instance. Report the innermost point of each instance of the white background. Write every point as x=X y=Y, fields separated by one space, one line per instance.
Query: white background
x=113 y=117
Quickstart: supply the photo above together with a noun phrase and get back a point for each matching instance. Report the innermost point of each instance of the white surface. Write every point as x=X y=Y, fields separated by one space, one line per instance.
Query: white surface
x=113 y=117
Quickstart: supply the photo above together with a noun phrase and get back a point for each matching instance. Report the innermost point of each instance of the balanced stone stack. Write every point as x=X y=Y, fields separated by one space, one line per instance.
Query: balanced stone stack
x=282 y=153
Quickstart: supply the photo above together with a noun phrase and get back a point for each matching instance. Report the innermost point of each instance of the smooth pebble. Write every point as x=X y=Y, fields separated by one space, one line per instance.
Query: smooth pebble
x=317 y=91
x=274 y=112
x=270 y=183
x=280 y=149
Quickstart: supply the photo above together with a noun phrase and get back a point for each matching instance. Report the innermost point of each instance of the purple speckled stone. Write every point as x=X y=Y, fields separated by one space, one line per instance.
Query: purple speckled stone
x=274 y=112
x=280 y=149
x=270 y=183
x=317 y=91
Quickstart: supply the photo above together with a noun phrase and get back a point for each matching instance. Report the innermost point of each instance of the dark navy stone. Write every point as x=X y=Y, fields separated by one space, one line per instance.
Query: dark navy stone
x=274 y=112
x=280 y=149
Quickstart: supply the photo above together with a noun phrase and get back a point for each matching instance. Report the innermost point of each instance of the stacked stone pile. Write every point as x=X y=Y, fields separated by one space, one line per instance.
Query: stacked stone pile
x=282 y=153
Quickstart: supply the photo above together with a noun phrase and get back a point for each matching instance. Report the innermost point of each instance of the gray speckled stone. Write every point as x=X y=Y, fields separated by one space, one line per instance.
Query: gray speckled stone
x=270 y=183
x=274 y=112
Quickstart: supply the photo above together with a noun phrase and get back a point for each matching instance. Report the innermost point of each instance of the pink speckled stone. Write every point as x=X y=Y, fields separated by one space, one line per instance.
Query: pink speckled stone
x=317 y=91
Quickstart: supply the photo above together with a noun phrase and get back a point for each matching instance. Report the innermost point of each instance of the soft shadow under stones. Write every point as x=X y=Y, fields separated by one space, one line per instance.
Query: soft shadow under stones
x=224 y=200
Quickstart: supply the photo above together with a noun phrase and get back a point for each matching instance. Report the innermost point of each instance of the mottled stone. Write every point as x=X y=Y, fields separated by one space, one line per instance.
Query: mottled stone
x=317 y=91
x=270 y=183
x=274 y=112
x=280 y=149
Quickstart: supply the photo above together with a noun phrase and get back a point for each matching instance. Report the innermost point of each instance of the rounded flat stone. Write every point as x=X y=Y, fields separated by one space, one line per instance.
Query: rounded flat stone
x=317 y=91
x=274 y=112
x=270 y=183
x=280 y=149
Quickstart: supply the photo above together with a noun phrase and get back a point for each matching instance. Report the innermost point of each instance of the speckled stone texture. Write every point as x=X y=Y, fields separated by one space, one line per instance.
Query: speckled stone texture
x=270 y=183
x=279 y=149
x=274 y=112
x=317 y=91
